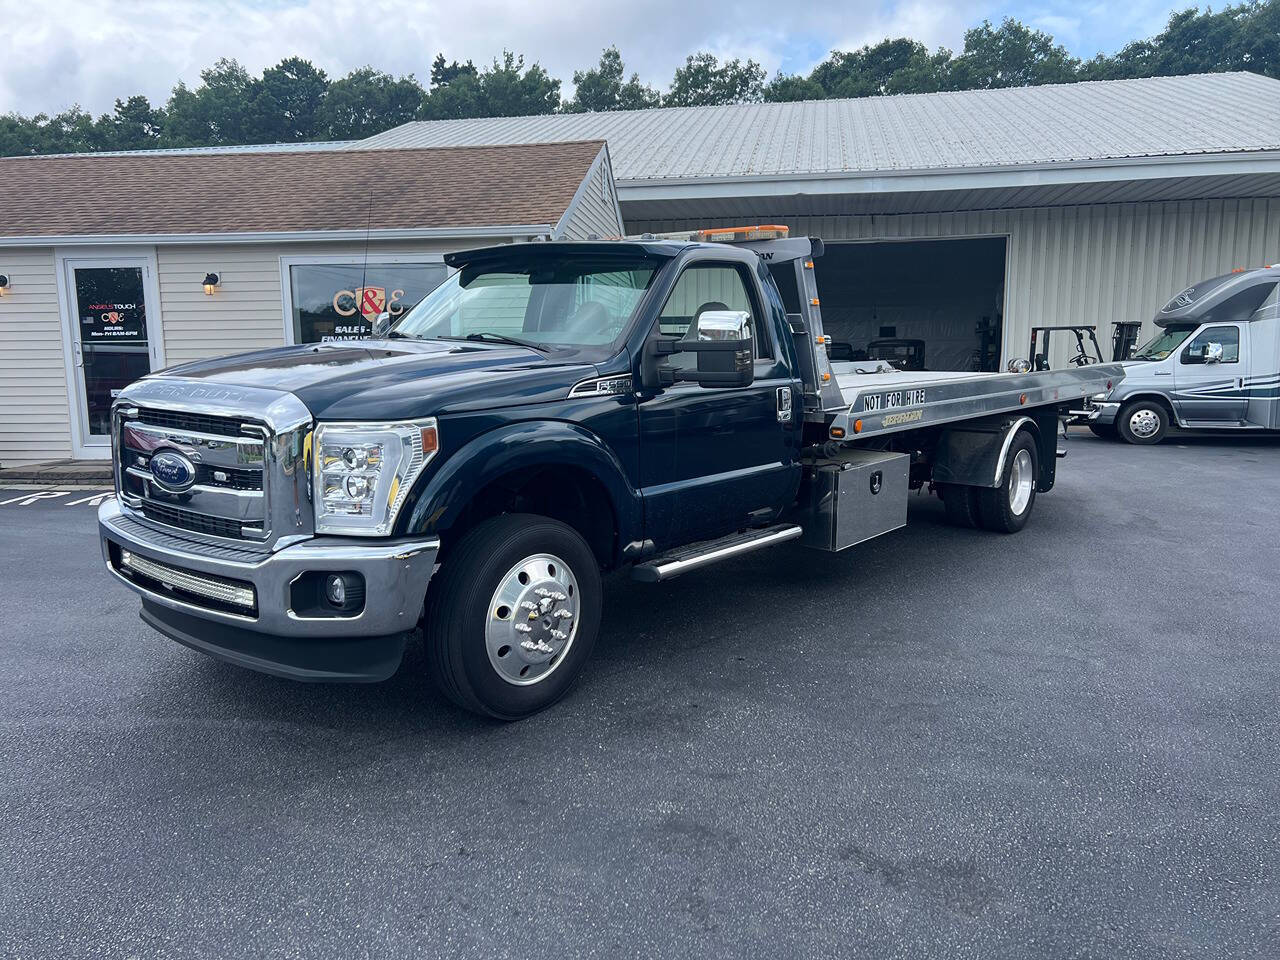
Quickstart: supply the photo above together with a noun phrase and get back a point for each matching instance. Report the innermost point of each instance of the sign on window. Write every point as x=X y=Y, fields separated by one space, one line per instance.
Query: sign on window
x=340 y=301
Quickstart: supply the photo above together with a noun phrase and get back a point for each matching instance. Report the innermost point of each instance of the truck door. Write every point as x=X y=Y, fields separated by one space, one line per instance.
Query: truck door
x=710 y=456
x=1209 y=377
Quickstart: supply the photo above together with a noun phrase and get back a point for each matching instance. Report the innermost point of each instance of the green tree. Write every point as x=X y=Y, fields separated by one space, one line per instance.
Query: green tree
x=790 y=87
x=367 y=101
x=443 y=74
x=1012 y=56
x=20 y=136
x=1245 y=37
x=216 y=111
x=134 y=125
x=286 y=102
x=505 y=89
x=704 y=81
x=888 y=67
x=602 y=88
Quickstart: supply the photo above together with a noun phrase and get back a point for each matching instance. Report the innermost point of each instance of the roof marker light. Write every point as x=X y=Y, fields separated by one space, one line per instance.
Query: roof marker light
x=762 y=231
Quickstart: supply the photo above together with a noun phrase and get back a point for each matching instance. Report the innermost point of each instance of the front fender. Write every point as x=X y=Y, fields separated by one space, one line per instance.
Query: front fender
x=439 y=500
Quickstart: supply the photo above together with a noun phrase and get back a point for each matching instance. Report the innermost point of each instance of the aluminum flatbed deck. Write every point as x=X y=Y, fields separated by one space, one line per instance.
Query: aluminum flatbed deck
x=879 y=402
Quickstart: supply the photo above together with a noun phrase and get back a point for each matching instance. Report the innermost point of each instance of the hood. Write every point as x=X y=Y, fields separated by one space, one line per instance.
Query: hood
x=396 y=379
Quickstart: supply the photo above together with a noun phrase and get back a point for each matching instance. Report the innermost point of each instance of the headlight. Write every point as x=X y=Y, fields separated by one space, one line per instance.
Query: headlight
x=364 y=471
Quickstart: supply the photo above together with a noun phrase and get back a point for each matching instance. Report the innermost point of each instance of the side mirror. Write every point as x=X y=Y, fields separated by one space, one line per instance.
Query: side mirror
x=725 y=352
x=1212 y=352
x=381 y=326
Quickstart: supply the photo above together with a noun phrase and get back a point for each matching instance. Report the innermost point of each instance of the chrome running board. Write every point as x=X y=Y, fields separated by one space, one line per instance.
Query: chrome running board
x=713 y=551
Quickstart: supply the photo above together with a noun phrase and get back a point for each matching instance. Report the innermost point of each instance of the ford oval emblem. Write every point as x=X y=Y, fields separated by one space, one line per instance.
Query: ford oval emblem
x=173 y=471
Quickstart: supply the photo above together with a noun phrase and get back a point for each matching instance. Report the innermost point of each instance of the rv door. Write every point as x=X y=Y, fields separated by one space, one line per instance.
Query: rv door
x=1209 y=376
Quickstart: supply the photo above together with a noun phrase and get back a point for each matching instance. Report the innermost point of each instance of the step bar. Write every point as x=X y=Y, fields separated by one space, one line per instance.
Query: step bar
x=713 y=551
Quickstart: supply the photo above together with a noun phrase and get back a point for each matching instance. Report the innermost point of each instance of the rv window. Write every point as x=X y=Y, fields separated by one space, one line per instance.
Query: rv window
x=1229 y=337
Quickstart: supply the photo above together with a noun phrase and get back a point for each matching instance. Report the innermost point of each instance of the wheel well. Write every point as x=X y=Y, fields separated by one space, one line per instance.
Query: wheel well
x=568 y=494
x=1157 y=398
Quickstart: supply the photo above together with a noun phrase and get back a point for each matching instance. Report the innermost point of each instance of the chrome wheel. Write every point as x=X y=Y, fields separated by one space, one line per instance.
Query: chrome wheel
x=1144 y=422
x=1021 y=481
x=533 y=618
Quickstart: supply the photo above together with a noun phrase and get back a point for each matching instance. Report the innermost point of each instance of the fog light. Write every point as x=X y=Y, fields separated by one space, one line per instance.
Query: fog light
x=335 y=588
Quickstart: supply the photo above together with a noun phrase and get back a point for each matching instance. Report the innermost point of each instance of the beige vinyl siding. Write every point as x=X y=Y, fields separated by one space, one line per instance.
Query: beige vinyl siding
x=246 y=312
x=35 y=422
x=1092 y=264
x=594 y=211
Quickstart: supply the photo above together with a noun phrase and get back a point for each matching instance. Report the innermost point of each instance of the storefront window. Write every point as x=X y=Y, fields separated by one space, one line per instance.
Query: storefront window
x=340 y=301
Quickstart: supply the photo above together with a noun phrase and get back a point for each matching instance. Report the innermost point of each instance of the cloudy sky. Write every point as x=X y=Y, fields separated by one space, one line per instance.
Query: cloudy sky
x=54 y=53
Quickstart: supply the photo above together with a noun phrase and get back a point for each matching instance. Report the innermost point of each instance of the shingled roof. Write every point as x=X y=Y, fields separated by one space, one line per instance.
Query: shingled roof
x=432 y=189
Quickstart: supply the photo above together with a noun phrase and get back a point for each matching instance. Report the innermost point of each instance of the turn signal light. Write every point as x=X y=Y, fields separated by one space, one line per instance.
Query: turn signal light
x=857 y=426
x=838 y=432
x=430 y=441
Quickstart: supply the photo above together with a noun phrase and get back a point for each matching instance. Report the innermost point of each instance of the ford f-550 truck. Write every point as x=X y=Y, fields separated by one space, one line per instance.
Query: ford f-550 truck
x=553 y=411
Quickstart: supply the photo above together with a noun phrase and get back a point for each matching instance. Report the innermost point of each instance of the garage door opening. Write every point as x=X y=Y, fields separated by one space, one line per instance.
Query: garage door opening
x=920 y=304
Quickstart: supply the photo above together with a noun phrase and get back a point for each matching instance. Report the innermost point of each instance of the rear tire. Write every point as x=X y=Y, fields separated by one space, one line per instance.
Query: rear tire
x=1006 y=508
x=513 y=615
x=1143 y=422
x=961 y=503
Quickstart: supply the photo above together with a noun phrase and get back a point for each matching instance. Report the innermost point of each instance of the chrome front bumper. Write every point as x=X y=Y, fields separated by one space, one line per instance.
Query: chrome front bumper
x=1104 y=412
x=395 y=575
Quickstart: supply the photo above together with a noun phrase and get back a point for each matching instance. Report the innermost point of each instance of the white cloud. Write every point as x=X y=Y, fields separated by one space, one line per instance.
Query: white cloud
x=92 y=51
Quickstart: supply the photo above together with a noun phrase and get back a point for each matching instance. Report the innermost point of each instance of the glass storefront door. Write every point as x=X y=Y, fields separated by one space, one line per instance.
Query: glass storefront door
x=110 y=337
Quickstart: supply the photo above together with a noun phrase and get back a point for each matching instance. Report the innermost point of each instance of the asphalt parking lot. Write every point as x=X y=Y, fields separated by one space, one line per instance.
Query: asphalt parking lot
x=944 y=743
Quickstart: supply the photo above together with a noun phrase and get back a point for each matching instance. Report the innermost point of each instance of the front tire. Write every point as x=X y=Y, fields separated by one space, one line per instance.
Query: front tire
x=1143 y=422
x=513 y=615
x=1006 y=508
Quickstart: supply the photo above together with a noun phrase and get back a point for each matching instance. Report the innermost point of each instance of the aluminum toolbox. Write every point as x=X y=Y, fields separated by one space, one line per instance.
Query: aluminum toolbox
x=854 y=497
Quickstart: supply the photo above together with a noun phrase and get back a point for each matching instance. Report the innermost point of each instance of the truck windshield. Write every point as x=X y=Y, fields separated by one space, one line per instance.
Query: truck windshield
x=1163 y=343
x=571 y=302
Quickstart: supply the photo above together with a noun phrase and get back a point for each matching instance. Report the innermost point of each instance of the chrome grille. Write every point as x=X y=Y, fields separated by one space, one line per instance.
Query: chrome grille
x=195 y=422
x=243 y=472
x=190 y=520
x=227 y=495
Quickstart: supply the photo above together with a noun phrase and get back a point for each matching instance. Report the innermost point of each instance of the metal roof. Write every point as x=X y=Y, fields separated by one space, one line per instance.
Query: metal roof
x=1107 y=120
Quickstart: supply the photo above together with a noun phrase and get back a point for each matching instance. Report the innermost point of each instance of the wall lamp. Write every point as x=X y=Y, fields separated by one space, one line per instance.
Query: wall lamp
x=211 y=281
x=4 y=284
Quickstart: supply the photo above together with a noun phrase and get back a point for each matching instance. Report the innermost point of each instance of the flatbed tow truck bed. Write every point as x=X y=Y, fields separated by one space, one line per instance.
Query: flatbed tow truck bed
x=881 y=401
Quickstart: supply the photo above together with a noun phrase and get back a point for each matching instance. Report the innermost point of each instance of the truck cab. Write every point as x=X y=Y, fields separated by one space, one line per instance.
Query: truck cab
x=1213 y=364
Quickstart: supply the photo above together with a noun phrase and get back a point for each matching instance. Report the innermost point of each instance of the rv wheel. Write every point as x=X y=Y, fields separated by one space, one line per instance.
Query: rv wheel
x=1143 y=421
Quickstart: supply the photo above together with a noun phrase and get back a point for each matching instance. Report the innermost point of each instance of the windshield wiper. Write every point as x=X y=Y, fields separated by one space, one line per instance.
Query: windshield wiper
x=397 y=335
x=486 y=336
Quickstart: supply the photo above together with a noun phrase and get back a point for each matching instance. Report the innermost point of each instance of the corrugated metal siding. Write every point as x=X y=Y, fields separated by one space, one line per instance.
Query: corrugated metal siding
x=247 y=311
x=35 y=420
x=596 y=210
x=1087 y=264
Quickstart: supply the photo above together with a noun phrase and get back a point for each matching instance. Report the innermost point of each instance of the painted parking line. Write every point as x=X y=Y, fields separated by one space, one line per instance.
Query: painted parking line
x=73 y=498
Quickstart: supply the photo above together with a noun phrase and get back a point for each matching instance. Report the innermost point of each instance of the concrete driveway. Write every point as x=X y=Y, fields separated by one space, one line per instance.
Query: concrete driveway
x=943 y=743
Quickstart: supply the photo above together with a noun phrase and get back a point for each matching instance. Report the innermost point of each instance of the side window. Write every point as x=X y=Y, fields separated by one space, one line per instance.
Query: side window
x=710 y=286
x=1229 y=337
